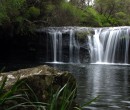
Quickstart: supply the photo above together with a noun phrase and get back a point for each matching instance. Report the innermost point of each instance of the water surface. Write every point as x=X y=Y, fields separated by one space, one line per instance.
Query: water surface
x=110 y=82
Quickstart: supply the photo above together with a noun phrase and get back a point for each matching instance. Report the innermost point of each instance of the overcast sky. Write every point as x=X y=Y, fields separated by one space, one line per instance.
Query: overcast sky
x=86 y=1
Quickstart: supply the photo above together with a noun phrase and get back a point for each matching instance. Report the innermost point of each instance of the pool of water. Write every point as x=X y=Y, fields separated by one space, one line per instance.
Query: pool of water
x=110 y=83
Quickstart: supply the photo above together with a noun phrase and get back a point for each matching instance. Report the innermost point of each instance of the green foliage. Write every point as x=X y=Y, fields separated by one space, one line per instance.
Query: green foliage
x=14 y=4
x=86 y=104
x=121 y=15
x=122 y=18
x=13 y=8
x=26 y=15
x=4 y=19
x=17 y=98
x=19 y=19
x=93 y=18
x=75 y=14
x=16 y=14
x=14 y=98
x=104 y=21
x=63 y=98
x=50 y=7
x=72 y=9
x=81 y=35
x=114 y=12
x=33 y=12
x=3 y=15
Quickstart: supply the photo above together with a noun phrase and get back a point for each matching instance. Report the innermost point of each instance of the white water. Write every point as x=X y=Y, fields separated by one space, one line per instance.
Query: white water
x=73 y=48
x=110 y=45
x=96 y=46
x=60 y=45
x=106 y=46
x=57 y=40
x=127 y=48
x=57 y=45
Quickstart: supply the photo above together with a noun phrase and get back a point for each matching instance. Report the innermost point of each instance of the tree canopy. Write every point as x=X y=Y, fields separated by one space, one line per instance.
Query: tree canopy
x=26 y=15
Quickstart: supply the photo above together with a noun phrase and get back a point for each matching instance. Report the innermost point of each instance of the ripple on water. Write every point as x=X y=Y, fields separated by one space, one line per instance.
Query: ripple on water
x=126 y=102
x=114 y=106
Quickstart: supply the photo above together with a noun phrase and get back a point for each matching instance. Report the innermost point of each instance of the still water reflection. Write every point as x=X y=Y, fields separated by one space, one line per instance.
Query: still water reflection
x=110 y=82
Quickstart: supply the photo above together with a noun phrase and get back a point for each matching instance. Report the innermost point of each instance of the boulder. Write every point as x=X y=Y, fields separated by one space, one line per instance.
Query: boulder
x=41 y=79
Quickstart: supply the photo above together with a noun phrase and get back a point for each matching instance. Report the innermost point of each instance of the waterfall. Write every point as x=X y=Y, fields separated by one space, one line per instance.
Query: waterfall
x=73 y=48
x=110 y=45
x=60 y=45
x=57 y=46
x=127 y=45
x=82 y=44
x=96 y=46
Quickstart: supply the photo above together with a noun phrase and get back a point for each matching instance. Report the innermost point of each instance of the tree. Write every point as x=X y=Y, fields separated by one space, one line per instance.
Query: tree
x=78 y=3
x=110 y=8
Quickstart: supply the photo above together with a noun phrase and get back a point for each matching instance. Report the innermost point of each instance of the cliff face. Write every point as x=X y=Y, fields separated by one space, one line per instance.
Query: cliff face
x=39 y=47
x=64 y=44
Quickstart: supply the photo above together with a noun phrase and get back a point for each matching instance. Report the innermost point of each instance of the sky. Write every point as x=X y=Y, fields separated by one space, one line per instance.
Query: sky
x=86 y=1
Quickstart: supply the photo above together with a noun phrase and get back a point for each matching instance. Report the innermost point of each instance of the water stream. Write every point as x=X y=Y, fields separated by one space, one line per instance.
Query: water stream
x=107 y=75
x=105 y=45
x=110 y=45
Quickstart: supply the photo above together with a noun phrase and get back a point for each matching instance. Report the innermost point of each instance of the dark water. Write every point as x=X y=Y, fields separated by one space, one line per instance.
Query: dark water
x=110 y=82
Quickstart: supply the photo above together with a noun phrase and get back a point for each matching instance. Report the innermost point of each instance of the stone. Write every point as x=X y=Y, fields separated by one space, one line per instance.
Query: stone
x=41 y=79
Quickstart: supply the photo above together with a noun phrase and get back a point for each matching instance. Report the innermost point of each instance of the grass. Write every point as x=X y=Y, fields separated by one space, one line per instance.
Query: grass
x=63 y=98
x=16 y=98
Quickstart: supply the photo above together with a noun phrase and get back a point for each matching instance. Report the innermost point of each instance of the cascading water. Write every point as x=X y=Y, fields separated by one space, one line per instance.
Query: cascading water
x=57 y=45
x=100 y=45
x=95 y=46
x=127 y=46
x=110 y=45
x=73 y=48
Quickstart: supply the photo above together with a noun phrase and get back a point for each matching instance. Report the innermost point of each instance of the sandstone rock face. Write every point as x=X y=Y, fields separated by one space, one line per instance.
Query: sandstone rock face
x=68 y=44
x=39 y=46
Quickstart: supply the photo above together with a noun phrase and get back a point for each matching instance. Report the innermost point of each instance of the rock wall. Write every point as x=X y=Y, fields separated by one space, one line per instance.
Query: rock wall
x=37 y=47
x=80 y=41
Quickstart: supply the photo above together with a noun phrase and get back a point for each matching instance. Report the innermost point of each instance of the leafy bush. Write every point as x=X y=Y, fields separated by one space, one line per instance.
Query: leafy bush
x=93 y=18
x=13 y=8
x=33 y=12
x=122 y=18
x=50 y=7
x=3 y=15
x=73 y=10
